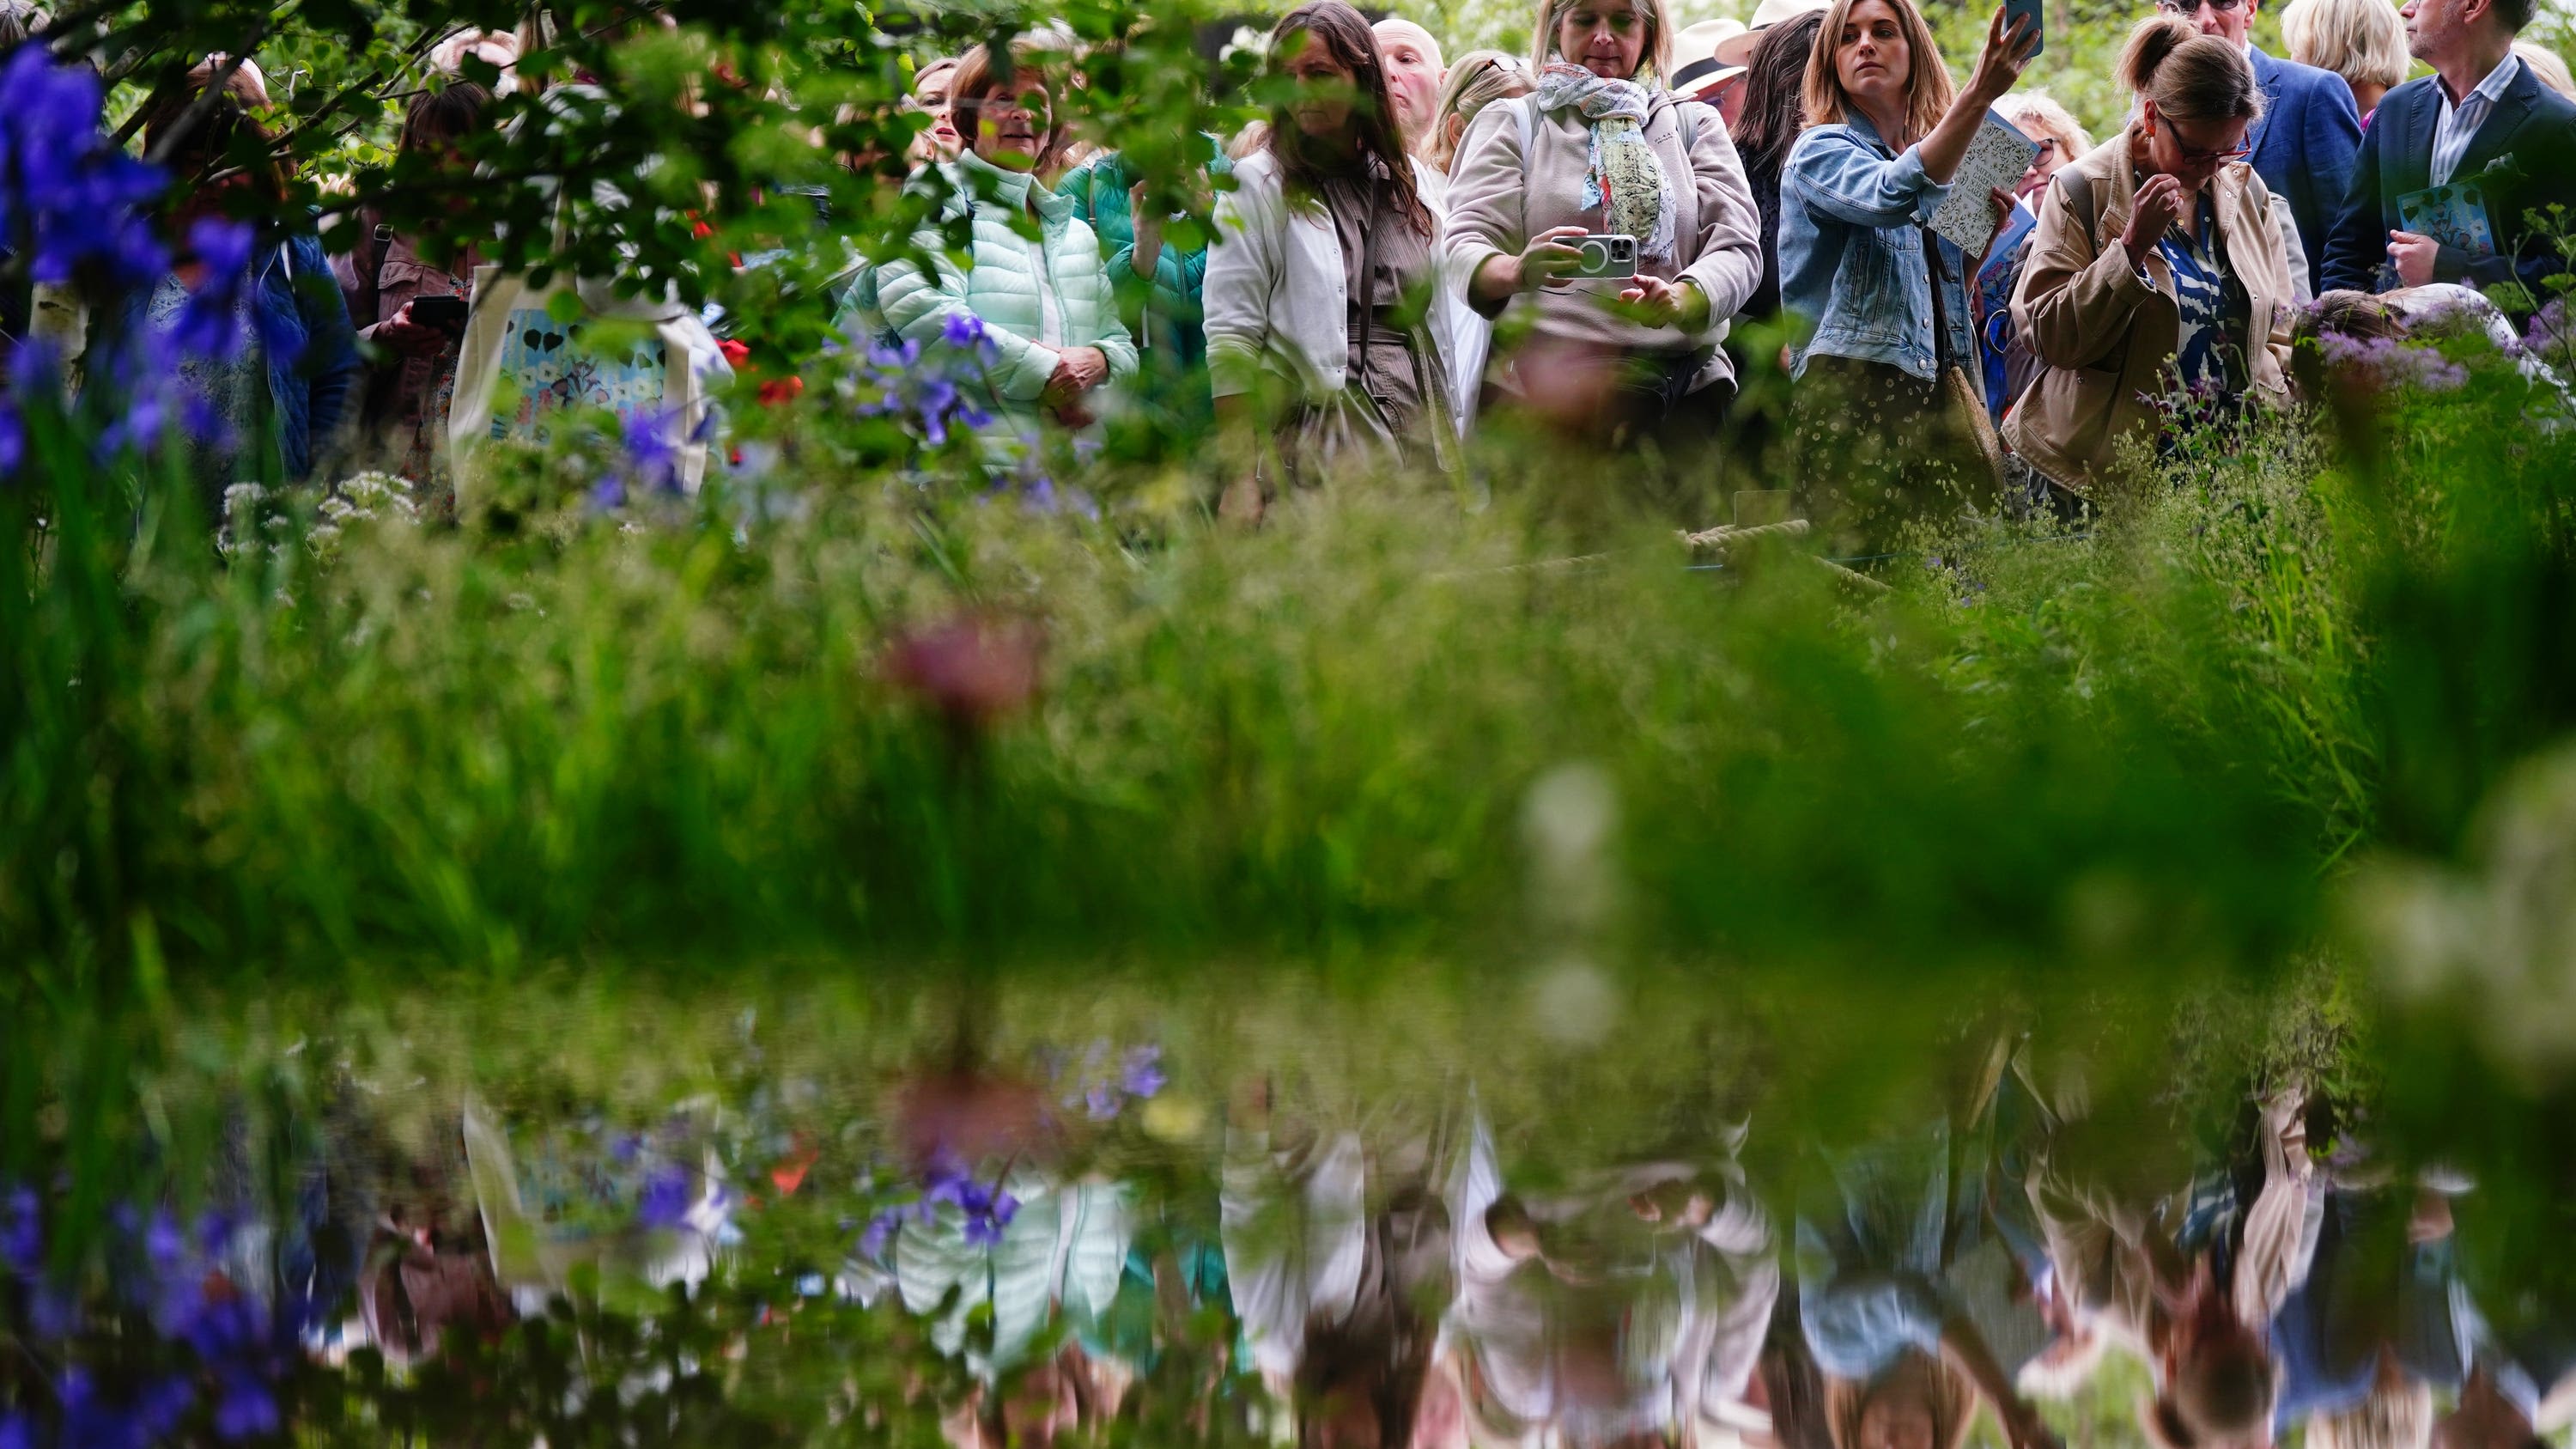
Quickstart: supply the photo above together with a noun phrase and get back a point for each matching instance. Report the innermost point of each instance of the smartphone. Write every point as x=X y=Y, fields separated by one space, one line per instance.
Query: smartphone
x=2029 y=10
x=447 y=314
x=1605 y=256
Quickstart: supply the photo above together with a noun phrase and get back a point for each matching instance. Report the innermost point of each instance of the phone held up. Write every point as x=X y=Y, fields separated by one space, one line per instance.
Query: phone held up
x=2029 y=10
x=1606 y=256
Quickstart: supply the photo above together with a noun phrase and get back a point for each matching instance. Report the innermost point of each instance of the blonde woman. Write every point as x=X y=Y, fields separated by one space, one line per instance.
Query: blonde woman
x=2060 y=137
x=2157 y=270
x=1601 y=146
x=930 y=86
x=2363 y=41
x=1479 y=79
x=1883 y=297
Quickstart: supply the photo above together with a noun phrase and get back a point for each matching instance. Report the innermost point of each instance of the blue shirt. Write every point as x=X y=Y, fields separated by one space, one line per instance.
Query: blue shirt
x=1852 y=212
x=2209 y=352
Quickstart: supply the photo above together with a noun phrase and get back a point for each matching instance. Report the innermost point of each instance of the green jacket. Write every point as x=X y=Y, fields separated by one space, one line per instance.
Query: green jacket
x=1099 y=189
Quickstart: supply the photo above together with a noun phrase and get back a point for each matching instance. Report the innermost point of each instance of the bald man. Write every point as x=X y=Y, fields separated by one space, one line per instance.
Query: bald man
x=1414 y=73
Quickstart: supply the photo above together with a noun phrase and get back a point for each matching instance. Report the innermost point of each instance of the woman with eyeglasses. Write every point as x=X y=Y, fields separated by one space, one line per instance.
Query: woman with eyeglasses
x=1601 y=146
x=2157 y=280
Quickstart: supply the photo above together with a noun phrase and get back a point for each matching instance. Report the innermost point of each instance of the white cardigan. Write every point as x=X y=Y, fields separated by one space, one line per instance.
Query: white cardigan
x=1276 y=298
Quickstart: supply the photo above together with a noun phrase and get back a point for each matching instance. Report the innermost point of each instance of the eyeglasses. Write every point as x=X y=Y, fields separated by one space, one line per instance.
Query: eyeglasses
x=2193 y=155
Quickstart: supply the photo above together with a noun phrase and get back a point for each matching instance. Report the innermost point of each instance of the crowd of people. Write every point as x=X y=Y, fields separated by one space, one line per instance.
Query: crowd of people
x=1598 y=239
x=1406 y=1275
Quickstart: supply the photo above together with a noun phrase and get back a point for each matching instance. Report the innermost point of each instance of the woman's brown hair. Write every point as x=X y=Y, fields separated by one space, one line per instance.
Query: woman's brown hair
x=1927 y=82
x=1345 y=35
x=978 y=78
x=1774 y=103
x=208 y=145
x=2190 y=76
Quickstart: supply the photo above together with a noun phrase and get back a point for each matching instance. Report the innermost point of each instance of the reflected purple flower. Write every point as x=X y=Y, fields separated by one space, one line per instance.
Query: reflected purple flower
x=666 y=1199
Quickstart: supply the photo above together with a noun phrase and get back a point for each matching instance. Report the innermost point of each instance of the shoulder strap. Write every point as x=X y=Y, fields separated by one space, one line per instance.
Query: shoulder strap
x=1687 y=116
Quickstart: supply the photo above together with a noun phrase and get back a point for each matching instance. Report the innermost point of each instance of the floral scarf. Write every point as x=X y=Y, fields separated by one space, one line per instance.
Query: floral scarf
x=1625 y=180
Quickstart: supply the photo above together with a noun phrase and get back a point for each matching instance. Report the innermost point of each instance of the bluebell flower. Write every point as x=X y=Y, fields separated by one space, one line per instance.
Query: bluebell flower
x=165 y=1402
x=79 y=199
x=13 y=438
x=666 y=1199
x=652 y=458
x=247 y=1410
x=1143 y=1071
x=22 y=1231
x=17 y=1432
x=210 y=325
x=963 y=330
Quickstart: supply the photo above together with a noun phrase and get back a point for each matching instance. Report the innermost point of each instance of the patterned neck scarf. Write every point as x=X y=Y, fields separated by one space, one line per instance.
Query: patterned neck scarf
x=1625 y=179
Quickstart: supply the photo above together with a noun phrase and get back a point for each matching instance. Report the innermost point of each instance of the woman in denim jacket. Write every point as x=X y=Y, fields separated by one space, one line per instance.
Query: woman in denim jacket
x=1885 y=135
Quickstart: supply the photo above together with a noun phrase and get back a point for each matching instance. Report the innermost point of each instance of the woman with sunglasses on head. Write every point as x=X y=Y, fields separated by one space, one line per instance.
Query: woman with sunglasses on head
x=1322 y=279
x=2157 y=270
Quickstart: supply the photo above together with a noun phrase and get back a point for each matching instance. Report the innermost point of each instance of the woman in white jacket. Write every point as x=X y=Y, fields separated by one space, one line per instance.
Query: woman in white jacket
x=1321 y=275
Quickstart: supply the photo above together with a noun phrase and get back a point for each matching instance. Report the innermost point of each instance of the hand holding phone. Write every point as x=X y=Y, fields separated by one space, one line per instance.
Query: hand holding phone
x=2030 y=12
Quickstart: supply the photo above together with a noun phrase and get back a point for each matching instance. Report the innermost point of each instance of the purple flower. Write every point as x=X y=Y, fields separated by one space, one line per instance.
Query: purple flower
x=666 y=1197
x=1143 y=1072
x=210 y=325
x=1101 y=1101
x=247 y=1409
x=16 y=1432
x=880 y=1233
x=964 y=330
x=22 y=1231
x=652 y=457
x=79 y=200
x=984 y=1230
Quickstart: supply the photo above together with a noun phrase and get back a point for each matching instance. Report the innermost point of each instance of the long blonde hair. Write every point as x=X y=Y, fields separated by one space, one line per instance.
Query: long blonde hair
x=1927 y=82
x=1657 y=57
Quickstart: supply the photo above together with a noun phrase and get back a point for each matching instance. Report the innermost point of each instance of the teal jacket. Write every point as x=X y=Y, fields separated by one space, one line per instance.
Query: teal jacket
x=1164 y=314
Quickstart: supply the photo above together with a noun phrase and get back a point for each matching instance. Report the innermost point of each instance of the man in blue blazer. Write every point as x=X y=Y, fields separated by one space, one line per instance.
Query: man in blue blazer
x=2483 y=115
x=2305 y=142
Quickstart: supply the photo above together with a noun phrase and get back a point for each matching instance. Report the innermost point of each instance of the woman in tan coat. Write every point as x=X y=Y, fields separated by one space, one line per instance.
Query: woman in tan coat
x=2157 y=284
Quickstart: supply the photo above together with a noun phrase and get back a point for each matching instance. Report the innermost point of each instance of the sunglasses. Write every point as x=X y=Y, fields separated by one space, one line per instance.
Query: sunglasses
x=2192 y=7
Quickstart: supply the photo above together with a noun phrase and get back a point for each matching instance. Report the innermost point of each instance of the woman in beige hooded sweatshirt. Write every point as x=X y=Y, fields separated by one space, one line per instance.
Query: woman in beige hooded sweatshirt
x=1601 y=146
x=2157 y=283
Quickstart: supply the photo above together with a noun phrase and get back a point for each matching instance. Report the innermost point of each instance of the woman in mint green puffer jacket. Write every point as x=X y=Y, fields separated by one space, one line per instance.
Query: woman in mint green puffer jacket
x=1045 y=304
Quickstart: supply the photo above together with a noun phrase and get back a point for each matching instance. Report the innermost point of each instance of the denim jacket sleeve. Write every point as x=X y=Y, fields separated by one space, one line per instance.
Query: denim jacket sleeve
x=1841 y=176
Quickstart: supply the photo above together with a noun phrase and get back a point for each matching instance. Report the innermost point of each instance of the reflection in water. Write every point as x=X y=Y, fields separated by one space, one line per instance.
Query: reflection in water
x=1066 y=1249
